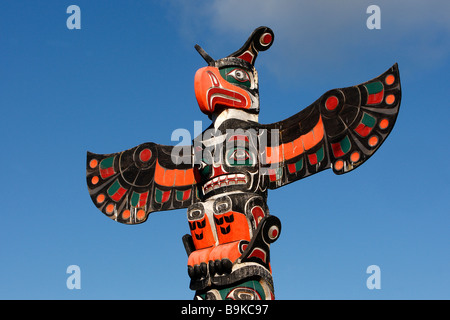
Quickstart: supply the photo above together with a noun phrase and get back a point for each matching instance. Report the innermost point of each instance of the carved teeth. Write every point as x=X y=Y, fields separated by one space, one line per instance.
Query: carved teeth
x=224 y=180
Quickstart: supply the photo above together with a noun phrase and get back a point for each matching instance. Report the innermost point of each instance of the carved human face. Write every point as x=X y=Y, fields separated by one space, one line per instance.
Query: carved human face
x=228 y=161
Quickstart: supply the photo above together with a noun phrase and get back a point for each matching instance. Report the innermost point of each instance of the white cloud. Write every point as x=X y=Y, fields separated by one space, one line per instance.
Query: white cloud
x=326 y=32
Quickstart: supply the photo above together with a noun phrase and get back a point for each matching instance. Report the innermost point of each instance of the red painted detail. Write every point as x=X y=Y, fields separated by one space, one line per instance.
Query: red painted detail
x=272 y=175
x=363 y=130
x=142 y=199
x=105 y=173
x=331 y=103
x=119 y=194
x=375 y=98
x=247 y=56
x=266 y=39
x=218 y=171
x=258 y=253
x=186 y=195
x=225 y=97
x=215 y=82
x=238 y=137
x=312 y=159
x=258 y=214
x=145 y=155
x=291 y=168
x=165 y=196
x=337 y=150
x=274 y=233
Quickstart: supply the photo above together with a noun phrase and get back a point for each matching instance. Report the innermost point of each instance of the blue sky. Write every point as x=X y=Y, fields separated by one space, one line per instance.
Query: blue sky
x=126 y=77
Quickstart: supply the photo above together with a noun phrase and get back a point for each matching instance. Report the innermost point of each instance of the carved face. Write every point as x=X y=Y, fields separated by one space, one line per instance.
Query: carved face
x=232 y=84
x=228 y=162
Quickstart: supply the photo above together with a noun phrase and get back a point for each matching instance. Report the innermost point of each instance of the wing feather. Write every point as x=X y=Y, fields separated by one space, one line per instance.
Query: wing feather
x=127 y=186
x=341 y=130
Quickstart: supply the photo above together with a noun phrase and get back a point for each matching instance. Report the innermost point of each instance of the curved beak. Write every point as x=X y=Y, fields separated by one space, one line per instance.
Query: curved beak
x=211 y=90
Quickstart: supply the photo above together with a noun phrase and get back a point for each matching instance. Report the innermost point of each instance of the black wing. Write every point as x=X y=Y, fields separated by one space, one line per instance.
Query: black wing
x=341 y=130
x=129 y=185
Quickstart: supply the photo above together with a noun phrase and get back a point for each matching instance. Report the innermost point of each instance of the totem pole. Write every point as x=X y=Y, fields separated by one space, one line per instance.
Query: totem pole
x=224 y=176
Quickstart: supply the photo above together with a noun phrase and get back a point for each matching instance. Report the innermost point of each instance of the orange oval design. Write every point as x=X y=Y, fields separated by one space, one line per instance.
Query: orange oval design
x=355 y=156
x=140 y=214
x=94 y=180
x=93 y=163
x=384 y=124
x=100 y=198
x=126 y=214
x=338 y=165
x=390 y=99
x=373 y=141
x=389 y=79
x=109 y=208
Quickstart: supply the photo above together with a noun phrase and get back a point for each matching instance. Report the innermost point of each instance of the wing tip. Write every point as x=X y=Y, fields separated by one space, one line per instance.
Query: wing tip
x=395 y=70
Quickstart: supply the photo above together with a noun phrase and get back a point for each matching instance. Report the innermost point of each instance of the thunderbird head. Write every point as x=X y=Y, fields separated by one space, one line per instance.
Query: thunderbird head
x=232 y=82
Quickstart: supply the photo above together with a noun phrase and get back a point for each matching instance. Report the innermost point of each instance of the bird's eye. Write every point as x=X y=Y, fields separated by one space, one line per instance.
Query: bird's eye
x=239 y=74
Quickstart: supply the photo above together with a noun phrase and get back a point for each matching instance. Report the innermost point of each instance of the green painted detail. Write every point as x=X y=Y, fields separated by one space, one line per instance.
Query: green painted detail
x=135 y=199
x=374 y=87
x=161 y=196
x=252 y=285
x=107 y=163
x=299 y=165
x=179 y=195
x=230 y=74
x=239 y=156
x=205 y=171
x=114 y=188
x=158 y=195
x=248 y=288
x=368 y=120
x=345 y=144
x=320 y=154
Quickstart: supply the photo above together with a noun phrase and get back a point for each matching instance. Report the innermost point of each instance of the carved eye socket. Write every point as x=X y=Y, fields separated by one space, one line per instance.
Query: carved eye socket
x=239 y=74
x=236 y=75
x=195 y=212
x=239 y=156
x=222 y=205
